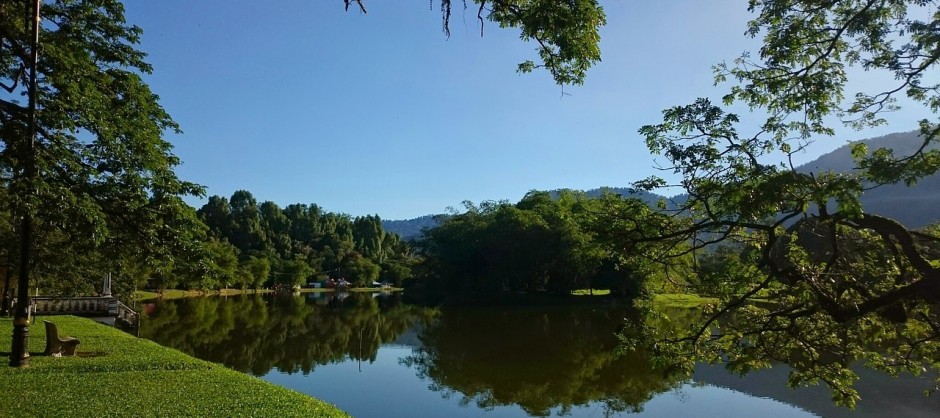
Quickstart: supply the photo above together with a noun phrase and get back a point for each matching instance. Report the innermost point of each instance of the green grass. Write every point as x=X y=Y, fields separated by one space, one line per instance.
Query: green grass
x=681 y=300
x=587 y=292
x=115 y=374
x=167 y=294
x=142 y=295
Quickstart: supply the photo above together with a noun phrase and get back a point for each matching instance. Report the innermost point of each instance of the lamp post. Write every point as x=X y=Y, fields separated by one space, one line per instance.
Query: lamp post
x=19 y=352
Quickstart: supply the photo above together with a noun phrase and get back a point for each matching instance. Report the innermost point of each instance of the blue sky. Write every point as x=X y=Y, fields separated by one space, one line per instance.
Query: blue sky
x=299 y=101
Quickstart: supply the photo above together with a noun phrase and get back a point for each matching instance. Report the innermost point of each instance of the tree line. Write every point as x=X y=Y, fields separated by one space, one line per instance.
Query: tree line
x=94 y=189
x=251 y=245
x=547 y=243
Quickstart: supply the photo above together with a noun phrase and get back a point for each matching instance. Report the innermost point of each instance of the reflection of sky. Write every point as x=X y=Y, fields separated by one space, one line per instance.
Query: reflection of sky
x=712 y=401
x=385 y=388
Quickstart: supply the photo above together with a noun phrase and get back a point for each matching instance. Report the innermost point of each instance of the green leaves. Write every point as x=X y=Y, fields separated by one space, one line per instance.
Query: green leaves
x=543 y=244
x=566 y=32
x=107 y=196
x=837 y=284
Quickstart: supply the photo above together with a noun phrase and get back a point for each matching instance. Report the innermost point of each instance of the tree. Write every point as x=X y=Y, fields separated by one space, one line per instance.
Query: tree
x=566 y=31
x=844 y=285
x=257 y=270
x=543 y=244
x=222 y=266
x=360 y=271
x=247 y=233
x=292 y=273
x=105 y=173
x=97 y=183
x=275 y=226
x=217 y=215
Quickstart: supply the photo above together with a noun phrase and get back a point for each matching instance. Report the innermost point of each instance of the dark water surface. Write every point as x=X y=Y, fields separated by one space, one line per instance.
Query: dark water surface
x=374 y=356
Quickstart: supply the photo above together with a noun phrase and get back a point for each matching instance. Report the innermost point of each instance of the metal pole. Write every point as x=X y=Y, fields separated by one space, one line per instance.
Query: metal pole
x=19 y=352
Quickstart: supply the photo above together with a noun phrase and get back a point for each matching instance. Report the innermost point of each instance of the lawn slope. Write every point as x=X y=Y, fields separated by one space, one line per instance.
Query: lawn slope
x=115 y=374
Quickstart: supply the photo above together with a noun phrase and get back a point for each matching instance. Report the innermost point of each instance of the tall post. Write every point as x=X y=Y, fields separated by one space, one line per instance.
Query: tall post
x=19 y=353
x=7 y=296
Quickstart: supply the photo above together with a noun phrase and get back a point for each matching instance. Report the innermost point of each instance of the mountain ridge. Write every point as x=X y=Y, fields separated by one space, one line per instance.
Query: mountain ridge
x=914 y=206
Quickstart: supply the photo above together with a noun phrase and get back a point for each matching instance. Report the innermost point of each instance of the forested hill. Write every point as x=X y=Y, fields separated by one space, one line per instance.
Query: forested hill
x=409 y=228
x=914 y=206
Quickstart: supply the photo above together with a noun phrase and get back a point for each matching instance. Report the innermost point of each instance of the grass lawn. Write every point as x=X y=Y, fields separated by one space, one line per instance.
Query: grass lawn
x=681 y=300
x=589 y=292
x=116 y=374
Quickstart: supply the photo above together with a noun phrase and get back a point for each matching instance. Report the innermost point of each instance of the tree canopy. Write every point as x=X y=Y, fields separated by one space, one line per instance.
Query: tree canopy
x=288 y=246
x=545 y=243
x=105 y=195
x=841 y=284
x=566 y=32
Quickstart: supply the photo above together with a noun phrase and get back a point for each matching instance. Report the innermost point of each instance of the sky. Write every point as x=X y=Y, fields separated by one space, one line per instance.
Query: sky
x=299 y=101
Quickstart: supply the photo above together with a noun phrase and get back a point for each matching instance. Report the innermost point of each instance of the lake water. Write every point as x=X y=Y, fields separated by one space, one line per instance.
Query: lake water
x=374 y=356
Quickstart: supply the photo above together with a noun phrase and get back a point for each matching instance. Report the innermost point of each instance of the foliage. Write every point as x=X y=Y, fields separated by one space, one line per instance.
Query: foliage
x=223 y=265
x=566 y=31
x=361 y=272
x=681 y=300
x=292 y=333
x=254 y=272
x=148 y=379
x=283 y=239
x=557 y=358
x=105 y=195
x=543 y=244
x=844 y=285
x=291 y=273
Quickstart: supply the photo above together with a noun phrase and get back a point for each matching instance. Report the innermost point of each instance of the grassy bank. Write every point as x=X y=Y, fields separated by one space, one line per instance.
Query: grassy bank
x=142 y=295
x=681 y=300
x=115 y=374
x=179 y=294
x=590 y=292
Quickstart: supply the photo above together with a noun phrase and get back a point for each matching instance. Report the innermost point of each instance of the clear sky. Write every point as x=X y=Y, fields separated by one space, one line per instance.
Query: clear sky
x=299 y=101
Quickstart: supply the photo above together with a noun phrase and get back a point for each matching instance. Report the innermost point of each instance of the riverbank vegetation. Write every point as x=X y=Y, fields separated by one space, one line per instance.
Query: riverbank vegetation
x=148 y=379
x=293 y=333
x=545 y=243
x=844 y=285
x=253 y=245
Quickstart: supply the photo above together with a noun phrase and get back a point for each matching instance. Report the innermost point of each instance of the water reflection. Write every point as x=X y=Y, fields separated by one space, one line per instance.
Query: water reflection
x=378 y=357
x=541 y=359
x=255 y=334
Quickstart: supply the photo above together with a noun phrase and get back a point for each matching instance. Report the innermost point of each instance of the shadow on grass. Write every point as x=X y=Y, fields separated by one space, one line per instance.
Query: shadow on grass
x=82 y=354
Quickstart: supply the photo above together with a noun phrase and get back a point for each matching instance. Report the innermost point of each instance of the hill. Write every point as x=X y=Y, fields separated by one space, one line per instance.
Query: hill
x=410 y=228
x=915 y=206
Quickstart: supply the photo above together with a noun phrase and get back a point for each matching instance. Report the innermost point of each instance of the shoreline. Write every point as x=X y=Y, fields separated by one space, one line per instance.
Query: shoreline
x=148 y=295
x=116 y=374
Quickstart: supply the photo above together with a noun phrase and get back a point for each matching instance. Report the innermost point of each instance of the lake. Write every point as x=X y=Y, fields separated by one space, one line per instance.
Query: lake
x=375 y=356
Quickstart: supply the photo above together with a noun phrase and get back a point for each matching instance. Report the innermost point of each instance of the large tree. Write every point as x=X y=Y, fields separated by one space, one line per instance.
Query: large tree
x=843 y=285
x=96 y=185
x=104 y=180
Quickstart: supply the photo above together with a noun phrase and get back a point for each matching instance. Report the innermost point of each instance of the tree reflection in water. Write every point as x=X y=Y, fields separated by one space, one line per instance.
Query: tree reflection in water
x=545 y=360
x=255 y=334
x=541 y=359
